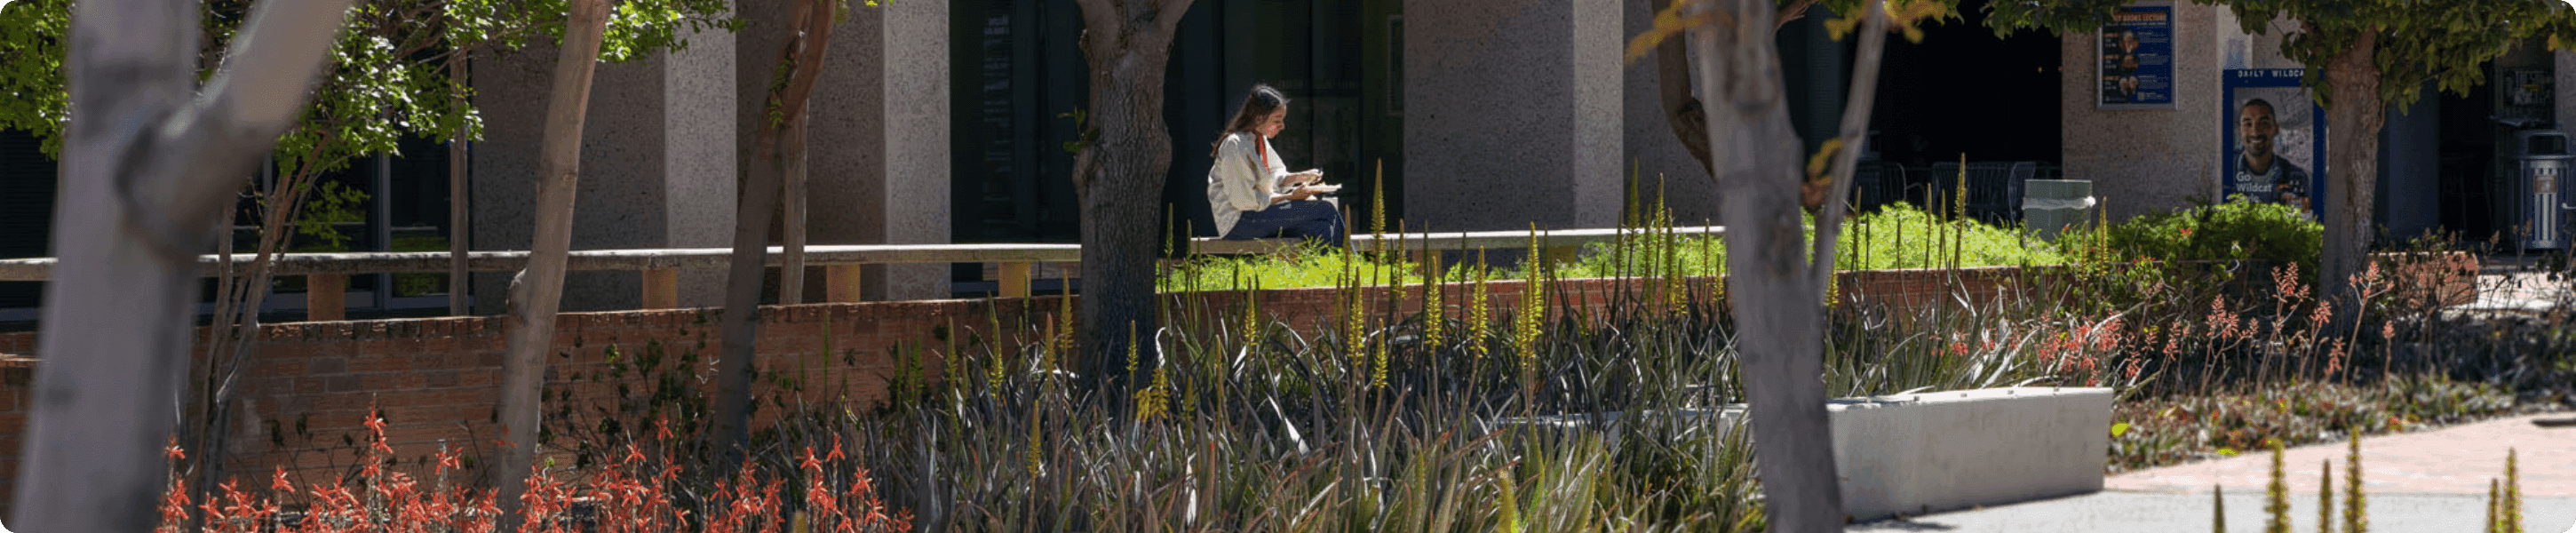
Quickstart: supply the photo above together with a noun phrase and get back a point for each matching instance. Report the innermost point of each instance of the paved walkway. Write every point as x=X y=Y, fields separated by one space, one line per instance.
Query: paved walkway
x=2432 y=481
x=2512 y=284
x=2425 y=481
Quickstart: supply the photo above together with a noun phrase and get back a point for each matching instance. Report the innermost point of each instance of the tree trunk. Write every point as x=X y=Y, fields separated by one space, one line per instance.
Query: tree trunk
x=791 y=270
x=146 y=173
x=537 y=291
x=233 y=335
x=2353 y=119
x=1682 y=109
x=456 y=196
x=802 y=55
x=1778 y=305
x=1120 y=176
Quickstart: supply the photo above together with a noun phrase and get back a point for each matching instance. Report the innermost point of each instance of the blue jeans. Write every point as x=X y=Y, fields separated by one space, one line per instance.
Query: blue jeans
x=1313 y=219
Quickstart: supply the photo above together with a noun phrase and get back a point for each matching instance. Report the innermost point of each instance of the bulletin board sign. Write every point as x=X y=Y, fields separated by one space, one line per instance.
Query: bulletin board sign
x=2273 y=147
x=2135 y=58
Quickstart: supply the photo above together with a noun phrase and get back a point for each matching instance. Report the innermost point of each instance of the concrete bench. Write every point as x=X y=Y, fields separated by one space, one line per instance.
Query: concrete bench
x=1454 y=240
x=1936 y=451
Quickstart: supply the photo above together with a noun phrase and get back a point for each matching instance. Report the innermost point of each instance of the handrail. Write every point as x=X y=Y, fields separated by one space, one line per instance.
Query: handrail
x=40 y=269
x=327 y=272
x=1463 y=240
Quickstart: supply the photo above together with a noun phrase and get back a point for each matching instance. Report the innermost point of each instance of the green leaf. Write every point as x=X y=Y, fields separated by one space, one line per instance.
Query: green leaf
x=2118 y=429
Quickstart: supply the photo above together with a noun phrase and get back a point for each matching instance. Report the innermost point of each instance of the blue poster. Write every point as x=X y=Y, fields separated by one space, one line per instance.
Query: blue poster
x=2137 y=59
x=2273 y=140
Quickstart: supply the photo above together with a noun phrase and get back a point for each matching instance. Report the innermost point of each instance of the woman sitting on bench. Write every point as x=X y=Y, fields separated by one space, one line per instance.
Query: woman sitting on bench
x=1253 y=194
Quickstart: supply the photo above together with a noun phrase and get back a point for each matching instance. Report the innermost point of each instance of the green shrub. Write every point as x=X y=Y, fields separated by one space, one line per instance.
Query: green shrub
x=2228 y=231
x=1898 y=236
x=1901 y=236
x=1305 y=266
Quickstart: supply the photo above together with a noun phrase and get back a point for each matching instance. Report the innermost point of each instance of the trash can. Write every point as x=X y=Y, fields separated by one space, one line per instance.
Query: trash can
x=2049 y=207
x=2541 y=159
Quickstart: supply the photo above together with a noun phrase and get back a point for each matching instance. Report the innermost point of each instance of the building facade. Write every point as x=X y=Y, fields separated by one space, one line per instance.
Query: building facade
x=948 y=121
x=2446 y=162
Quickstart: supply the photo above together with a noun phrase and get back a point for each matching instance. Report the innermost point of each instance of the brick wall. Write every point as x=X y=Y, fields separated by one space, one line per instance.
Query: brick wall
x=436 y=379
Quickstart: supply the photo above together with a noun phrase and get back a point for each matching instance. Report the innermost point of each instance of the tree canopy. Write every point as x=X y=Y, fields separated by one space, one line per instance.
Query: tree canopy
x=2444 y=42
x=388 y=76
x=2361 y=56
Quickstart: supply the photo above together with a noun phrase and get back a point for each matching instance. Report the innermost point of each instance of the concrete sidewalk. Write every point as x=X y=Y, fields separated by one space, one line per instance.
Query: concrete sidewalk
x=2426 y=481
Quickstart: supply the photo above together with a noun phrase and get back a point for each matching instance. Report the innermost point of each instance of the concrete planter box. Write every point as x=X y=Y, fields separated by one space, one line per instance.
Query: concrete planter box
x=1936 y=451
x=1919 y=453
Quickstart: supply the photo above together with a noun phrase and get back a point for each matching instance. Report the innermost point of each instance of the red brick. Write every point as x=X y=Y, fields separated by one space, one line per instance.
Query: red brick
x=327 y=365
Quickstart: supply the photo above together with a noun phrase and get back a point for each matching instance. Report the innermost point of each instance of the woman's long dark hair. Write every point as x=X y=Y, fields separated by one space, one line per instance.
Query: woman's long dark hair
x=1256 y=107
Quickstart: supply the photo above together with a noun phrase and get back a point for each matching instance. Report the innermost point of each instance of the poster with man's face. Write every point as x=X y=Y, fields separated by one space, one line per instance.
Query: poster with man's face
x=2275 y=140
x=2136 y=65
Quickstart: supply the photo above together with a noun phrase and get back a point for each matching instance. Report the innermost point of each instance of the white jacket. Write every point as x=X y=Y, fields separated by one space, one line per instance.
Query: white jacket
x=1239 y=182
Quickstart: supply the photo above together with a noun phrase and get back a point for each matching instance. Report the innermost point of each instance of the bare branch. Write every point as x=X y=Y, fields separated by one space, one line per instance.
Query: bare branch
x=1855 y=130
x=805 y=49
x=1682 y=108
x=1792 y=12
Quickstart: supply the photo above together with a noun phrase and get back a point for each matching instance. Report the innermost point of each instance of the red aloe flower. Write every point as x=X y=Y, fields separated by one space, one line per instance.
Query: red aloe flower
x=174 y=506
x=447 y=460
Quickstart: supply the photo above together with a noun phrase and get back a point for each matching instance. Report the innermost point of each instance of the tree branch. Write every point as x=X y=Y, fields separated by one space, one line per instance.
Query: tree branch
x=1167 y=17
x=1682 y=108
x=804 y=51
x=1099 y=31
x=146 y=172
x=1792 y=12
x=271 y=69
x=1855 y=131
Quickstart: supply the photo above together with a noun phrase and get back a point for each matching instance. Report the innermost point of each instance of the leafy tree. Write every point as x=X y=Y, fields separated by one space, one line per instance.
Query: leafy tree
x=538 y=289
x=395 y=73
x=2362 y=57
x=777 y=160
x=147 y=167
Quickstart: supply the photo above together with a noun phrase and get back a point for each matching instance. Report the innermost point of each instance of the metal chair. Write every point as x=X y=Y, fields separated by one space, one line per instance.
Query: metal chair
x=1877 y=183
x=1994 y=188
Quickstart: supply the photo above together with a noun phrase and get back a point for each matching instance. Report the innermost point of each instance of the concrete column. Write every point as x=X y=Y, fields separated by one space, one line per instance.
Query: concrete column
x=698 y=94
x=653 y=174
x=2145 y=161
x=1513 y=113
x=878 y=169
